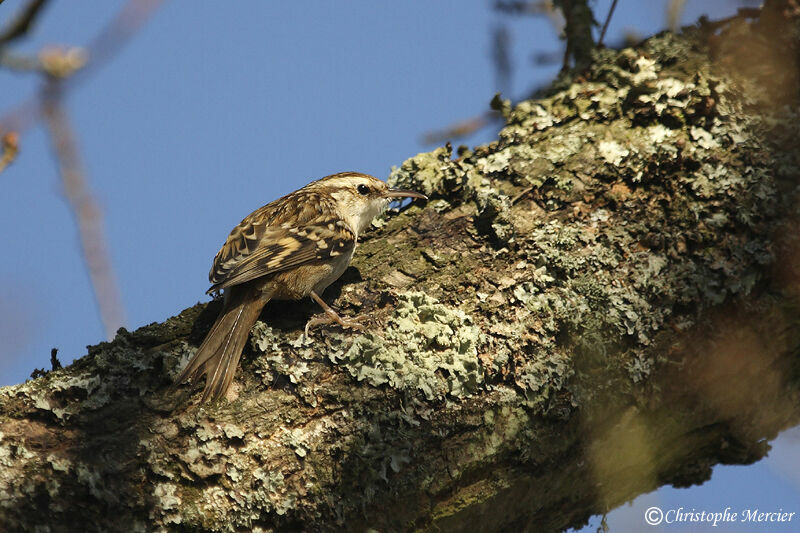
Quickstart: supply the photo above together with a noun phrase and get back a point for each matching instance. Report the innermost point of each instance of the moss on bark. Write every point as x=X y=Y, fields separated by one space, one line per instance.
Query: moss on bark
x=600 y=302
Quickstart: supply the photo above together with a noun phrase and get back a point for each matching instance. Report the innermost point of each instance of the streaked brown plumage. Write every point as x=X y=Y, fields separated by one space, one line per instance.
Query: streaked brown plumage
x=289 y=249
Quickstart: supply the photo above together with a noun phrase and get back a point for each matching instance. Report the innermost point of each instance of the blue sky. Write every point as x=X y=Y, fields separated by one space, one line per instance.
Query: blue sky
x=213 y=110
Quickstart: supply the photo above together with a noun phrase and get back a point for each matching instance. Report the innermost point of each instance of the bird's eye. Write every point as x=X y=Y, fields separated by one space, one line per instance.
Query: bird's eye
x=363 y=189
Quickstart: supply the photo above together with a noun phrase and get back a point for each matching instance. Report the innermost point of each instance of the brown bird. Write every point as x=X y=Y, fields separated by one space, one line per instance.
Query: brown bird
x=291 y=248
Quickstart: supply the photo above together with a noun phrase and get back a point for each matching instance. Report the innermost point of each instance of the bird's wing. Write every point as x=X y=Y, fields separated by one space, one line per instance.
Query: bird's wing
x=256 y=248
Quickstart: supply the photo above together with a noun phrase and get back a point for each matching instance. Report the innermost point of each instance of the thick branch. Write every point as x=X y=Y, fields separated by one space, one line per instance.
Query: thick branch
x=630 y=321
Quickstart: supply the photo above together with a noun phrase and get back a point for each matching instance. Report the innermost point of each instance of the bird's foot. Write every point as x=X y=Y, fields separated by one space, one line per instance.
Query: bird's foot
x=331 y=317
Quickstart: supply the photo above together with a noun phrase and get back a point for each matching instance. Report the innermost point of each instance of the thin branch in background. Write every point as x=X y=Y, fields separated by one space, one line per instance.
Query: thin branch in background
x=62 y=70
x=524 y=8
x=547 y=58
x=605 y=24
x=501 y=56
x=577 y=32
x=109 y=40
x=630 y=38
x=52 y=61
x=460 y=129
x=674 y=12
x=10 y=149
x=19 y=62
x=23 y=22
x=83 y=205
x=19 y=27
x=502 y=61
x=541 y=7
x=114 y=35
x=55 y=364
x=62 y=63
x=555 y=16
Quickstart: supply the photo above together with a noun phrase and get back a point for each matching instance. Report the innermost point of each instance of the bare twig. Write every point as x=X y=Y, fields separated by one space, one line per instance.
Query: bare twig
x=55 y=364
x=742 y=12
x=102 y=48
x=523 y=7
x=23 y=22
x=547 y=58
x=112 y=37
x=19 y=62
x=83 y=205
x=501 y=43
x=518 y=197
x=541 y=7
x=59 y=62
x=52 y=61
x=674 y=12
x=460 y=129
x=578 y=32
x=605 y=24
x=10 y=145
x=62 y=71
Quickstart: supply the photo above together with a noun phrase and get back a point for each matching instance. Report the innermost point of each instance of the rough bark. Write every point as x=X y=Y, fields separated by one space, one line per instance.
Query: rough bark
x=601 y=302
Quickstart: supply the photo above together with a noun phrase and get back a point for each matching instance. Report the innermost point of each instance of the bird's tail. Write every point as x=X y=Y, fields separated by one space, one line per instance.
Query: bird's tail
x=218 y=355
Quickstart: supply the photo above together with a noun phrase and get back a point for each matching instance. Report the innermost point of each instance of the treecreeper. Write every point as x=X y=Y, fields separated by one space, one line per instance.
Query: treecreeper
x=289 y=249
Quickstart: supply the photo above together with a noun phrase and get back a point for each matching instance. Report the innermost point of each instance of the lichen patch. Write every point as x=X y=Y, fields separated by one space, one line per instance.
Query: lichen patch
x=426 y=346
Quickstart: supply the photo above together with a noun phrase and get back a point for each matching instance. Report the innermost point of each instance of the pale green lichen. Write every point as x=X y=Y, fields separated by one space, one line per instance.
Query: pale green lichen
x=168 y=502
x=59 y=464
x=435 y=174
x=425 y=346
x=177 y=358
x=703 y=138
x=44 y=396
x=494 y=214
x=294 y=439
x=274 y=361
x=432 y=173
x=612 y=152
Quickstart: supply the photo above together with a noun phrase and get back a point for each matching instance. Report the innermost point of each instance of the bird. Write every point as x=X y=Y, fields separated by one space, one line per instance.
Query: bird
x=293 y=247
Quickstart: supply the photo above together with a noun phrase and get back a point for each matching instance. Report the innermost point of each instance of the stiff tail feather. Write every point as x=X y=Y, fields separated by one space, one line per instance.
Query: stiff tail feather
x=218 y=355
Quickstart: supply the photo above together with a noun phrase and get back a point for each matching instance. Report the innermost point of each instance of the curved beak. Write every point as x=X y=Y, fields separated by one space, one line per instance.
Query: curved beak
x=402 y=193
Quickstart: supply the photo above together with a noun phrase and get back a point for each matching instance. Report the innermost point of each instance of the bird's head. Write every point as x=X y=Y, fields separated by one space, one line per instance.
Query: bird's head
x=361 y=197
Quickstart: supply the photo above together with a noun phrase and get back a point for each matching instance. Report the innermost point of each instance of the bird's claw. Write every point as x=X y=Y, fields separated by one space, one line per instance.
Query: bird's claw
x=328 y=319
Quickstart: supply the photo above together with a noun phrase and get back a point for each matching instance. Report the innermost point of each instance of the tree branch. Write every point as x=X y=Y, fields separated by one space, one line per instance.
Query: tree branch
x=23 y=22
x=606 y=23
x=577 y=32
x=86 y=212
x=630 y=322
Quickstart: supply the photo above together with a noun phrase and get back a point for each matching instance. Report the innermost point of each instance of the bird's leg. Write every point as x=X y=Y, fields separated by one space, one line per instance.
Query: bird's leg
x=331 y=316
